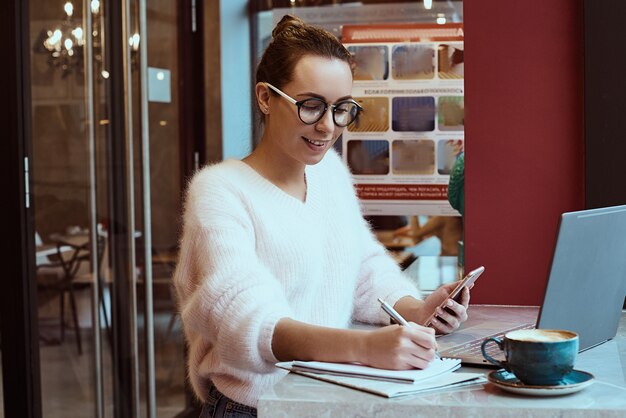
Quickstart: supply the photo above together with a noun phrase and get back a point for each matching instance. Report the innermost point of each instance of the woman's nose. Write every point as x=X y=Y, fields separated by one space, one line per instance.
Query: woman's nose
x=326 y=123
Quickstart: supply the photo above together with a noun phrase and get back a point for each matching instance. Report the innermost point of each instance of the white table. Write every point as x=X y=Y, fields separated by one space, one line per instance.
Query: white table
x=299 y=396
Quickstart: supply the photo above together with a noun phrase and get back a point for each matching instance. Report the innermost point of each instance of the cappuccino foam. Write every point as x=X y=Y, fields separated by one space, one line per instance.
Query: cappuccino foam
x=540 y=335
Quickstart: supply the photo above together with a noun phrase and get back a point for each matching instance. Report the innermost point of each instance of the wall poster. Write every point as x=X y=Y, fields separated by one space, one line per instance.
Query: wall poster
x=409 y=79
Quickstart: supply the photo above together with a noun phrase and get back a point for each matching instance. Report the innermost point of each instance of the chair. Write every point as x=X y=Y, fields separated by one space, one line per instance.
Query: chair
x=56 y=266
x=164 y=262
x=84 y=280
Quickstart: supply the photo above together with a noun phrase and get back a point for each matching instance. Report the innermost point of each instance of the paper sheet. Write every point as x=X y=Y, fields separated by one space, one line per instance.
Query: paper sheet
x=391 y=389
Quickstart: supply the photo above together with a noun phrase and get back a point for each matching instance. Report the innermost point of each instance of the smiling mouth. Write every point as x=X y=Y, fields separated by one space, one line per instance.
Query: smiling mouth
x=316 y=143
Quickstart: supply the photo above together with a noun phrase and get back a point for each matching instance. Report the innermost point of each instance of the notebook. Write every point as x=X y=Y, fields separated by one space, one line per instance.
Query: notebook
x=435 y=368
x=387 y=383
x=585 y=288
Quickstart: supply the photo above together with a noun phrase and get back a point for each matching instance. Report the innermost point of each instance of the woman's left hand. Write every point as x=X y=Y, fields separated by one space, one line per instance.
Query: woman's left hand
x=453 y=314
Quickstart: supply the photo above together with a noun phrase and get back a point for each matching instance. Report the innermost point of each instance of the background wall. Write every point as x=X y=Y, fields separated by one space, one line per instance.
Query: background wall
x=235 y=70
x=605 y=89
x=525 y=149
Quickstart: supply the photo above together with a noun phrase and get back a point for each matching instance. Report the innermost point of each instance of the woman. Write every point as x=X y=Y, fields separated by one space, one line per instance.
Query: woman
x=276 y=259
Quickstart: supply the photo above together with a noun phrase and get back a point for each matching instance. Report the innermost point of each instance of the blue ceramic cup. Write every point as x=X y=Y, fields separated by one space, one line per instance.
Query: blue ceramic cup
x=536 y=356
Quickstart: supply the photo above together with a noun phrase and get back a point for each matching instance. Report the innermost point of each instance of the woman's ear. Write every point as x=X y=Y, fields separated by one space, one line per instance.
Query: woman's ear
x=263 y=97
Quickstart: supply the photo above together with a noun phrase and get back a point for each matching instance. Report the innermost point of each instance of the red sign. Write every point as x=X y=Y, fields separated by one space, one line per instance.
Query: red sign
x=402 y=191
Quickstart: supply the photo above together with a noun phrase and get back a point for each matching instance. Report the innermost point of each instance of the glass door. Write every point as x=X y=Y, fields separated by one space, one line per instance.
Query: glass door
x=106 y=182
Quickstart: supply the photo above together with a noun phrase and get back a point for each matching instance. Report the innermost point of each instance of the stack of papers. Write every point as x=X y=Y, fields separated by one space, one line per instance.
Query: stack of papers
x=387 y=383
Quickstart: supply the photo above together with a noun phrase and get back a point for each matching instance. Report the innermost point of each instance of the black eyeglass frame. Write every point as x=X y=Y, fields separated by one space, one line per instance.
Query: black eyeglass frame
x=326 y=106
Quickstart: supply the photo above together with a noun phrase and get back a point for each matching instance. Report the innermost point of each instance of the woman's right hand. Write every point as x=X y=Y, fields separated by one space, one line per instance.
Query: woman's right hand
x=400 y=347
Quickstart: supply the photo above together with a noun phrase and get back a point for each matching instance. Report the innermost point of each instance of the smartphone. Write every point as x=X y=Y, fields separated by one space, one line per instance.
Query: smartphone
x=455 y=295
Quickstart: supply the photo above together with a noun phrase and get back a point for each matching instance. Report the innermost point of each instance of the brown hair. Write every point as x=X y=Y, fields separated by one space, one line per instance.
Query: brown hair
x=292 y=39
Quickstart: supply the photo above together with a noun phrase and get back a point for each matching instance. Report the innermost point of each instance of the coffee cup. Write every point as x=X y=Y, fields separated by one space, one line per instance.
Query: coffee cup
x=536 y=356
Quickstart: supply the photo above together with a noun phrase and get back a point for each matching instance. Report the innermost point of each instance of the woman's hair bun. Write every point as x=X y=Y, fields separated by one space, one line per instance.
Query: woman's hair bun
x=288 y=21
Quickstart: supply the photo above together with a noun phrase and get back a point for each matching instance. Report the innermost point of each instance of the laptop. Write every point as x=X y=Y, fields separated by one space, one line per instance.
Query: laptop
x=585 y=288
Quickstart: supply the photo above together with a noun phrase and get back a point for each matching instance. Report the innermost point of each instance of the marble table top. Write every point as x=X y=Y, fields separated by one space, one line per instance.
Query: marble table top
x=299 y=396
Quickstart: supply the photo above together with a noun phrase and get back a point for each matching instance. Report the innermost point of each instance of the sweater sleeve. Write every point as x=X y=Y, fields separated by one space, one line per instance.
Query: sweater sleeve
x=379 y=275
x=226 y=296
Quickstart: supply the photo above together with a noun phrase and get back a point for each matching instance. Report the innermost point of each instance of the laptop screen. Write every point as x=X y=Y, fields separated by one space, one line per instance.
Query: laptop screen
x=587 y=280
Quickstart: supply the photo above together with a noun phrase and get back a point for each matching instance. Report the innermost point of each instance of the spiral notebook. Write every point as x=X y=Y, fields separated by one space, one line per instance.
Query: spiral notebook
x=388 y=383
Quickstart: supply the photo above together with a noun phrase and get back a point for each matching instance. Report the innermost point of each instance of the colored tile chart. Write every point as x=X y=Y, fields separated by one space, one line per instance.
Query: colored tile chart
x=409 y=80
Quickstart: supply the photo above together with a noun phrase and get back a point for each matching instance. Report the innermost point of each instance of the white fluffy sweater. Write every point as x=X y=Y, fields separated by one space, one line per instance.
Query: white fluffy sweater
x=251 y=254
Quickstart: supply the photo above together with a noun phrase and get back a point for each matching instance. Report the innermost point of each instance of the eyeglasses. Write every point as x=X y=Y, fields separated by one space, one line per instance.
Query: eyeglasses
x=312 y=110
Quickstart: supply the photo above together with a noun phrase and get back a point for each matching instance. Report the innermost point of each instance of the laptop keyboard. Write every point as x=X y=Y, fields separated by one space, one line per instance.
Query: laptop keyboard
x=472 y=348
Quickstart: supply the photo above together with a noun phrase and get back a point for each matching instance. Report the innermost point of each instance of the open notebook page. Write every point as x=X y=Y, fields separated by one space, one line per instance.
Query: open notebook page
x=435 y=368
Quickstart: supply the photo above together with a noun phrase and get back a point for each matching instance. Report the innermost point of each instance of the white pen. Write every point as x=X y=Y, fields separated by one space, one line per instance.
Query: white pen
x=392 y=313
x=396 y=316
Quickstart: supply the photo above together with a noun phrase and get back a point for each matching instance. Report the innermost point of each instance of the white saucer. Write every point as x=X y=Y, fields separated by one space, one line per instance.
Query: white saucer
x=573 y=382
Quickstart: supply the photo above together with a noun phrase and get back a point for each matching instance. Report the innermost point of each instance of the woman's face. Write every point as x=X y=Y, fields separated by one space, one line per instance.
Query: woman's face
x=327 y=79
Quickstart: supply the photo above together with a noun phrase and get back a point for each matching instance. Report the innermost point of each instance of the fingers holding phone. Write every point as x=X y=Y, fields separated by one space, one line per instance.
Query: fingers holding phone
x=450 y=316
x=454 y=298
